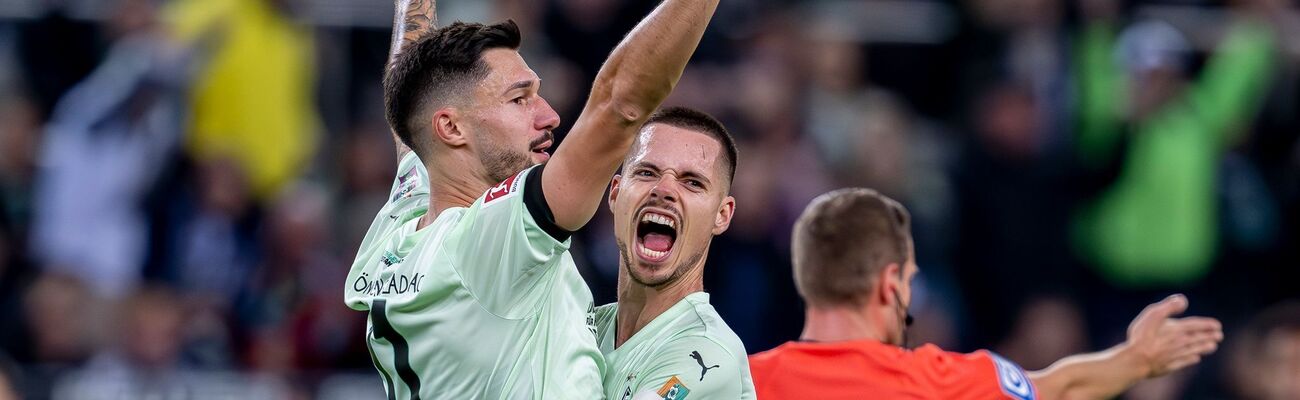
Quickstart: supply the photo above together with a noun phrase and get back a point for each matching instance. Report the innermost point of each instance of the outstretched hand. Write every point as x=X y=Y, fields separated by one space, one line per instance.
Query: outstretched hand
x=1166 y=344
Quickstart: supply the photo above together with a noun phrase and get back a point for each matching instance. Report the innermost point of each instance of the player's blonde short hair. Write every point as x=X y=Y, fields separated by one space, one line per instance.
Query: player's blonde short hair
x=842 y=241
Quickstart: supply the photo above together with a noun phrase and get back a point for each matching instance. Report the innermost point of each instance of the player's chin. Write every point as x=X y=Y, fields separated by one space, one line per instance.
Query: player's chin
x=651 y=275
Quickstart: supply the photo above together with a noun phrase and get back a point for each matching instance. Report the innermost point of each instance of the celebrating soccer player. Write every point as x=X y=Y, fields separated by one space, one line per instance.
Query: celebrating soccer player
x=465 y=272
x=853 y=265
x=662 y=339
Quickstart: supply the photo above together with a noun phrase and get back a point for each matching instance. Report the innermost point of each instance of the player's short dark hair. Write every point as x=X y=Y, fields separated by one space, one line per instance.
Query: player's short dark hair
x=699 y=121
x=843 y=240
x=439 y=68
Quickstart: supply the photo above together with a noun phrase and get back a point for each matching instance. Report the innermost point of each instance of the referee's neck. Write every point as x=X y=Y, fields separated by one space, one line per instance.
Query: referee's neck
x=842 y=324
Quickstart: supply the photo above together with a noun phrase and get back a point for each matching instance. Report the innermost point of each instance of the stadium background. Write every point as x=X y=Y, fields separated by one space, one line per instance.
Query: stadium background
x=184 y=183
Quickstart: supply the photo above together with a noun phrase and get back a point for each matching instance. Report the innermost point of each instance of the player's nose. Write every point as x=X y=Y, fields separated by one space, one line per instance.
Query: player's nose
x=545 y=118
x=664 y=189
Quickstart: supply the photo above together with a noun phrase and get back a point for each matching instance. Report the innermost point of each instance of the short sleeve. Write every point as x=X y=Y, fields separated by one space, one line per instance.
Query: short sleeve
x=693 y=366
x=976 y=376
x=505 y=242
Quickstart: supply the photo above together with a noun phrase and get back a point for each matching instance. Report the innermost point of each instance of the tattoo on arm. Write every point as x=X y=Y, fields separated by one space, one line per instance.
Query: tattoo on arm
x=411 y=19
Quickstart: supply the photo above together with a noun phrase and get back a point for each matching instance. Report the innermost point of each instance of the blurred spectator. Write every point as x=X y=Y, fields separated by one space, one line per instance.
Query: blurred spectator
x=20 y=127
x=1156 y=226
x=217 y=241
x=253 y=100
x=145 y=359
x=1048 y=329
x=103 y=151
x=1015 y=196
x=299 y=285
x=59 y=313
x=1265 y=355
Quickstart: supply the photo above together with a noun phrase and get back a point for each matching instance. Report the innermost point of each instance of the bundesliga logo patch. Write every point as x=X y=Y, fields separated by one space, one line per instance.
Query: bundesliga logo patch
x=673 y=389
x=508 y=186
x=1012 y=379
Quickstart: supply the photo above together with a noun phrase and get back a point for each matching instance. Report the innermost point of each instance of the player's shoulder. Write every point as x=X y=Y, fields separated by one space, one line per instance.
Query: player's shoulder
x=981 y=368
x=702 y=324
x=510 y=188
x=606 y=312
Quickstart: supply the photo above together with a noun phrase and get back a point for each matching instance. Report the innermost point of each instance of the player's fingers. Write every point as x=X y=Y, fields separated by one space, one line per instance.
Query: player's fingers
x=1182 y=362
x=1194 y=348
x=1172 y=305
x=1198 y=324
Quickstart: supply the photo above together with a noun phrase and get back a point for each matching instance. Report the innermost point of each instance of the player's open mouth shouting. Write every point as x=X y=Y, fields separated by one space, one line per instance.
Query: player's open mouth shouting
x=656 y=231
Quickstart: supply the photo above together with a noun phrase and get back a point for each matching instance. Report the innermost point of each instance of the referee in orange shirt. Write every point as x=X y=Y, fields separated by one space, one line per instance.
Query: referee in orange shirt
x=853 y=265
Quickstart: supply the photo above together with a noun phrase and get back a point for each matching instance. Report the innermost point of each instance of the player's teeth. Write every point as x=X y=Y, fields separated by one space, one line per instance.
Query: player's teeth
x=650 y=253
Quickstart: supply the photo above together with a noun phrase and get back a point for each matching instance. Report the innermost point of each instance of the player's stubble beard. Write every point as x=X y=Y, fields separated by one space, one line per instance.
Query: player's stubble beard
x=501 y=162
x=679 y=269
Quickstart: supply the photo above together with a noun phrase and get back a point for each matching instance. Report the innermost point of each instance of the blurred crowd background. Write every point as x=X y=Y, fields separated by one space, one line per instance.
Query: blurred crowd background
x=184 y=183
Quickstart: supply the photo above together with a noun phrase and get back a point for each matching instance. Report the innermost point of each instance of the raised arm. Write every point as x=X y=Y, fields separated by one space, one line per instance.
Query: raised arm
x=639 y=74
x=1157 y=345
x=411 y=19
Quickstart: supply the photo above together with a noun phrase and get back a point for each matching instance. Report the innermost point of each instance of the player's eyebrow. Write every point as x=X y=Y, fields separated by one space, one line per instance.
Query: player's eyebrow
x=645 y=164
x=692 y=174
x=519 y=85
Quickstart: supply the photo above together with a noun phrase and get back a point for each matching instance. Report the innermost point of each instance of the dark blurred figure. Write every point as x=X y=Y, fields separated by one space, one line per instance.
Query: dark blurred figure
x=8 y=377
x=1265 y=356
x=1015 y=199
x=20 y=128
x=20 y=134
x=56 y=52
x=62 y=330
x=1047 y=329
x=296 y=322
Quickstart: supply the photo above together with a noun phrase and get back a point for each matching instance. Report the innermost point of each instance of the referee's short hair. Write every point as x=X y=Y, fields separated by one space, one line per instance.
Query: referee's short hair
x=843 y=240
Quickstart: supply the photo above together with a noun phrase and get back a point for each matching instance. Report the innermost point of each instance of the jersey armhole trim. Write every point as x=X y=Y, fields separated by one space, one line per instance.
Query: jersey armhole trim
x=535 y=200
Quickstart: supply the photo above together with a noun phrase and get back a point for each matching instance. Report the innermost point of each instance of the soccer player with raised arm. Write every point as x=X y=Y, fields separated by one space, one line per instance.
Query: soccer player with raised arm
x=662 y=339
x=853 y=265
x=465 y=272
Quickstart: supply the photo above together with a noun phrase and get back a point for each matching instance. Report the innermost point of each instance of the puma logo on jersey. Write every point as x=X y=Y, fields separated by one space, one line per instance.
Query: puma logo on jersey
x=703 y=369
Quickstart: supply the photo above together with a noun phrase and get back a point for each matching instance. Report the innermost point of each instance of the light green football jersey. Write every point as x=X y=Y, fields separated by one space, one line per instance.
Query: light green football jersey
x=480 y=304
x=687 y=352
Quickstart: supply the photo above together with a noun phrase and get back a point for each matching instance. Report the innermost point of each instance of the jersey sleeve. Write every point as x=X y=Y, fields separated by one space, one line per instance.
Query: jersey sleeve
x=504 y=243
x=975 y=376
x=693 y=367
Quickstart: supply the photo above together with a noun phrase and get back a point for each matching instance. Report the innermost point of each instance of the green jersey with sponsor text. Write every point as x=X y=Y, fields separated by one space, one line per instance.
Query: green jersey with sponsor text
x=688 y=352
x=484 y=303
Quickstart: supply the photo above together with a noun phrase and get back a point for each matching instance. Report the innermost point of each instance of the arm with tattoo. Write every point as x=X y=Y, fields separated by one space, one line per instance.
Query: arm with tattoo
x=411 y=20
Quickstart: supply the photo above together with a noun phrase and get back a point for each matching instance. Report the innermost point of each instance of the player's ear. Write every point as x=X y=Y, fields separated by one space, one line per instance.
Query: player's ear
x=446 y=127
x=890 y=284
x=613 y=190
x=726 y=211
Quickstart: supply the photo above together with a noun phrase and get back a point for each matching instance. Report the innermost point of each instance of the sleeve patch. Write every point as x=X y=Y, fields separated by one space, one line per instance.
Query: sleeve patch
x=1012 y=379
x=506 y=187
x=406 y=184
x=673 y=389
